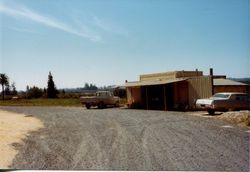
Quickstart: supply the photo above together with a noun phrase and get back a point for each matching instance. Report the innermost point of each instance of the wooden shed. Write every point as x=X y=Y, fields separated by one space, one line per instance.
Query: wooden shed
x=168 y=90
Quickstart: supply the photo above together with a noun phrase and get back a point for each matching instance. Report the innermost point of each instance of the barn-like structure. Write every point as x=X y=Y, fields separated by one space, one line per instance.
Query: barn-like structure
x=177 y=89
x=168 y=90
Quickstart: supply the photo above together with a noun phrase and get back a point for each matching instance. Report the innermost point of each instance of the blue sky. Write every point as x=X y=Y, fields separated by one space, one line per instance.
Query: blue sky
x=108 y=42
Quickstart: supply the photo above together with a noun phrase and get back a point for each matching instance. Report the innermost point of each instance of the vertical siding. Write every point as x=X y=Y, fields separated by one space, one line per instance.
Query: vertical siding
x=199 y=87
x=181 y=93
x=231 y=88
x=184 y=74
x=158 y=76
x=129 y=95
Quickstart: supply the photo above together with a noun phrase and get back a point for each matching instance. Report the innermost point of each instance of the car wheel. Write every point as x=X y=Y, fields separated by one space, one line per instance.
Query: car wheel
x=87 y=106
x=210 y=111
x=117 y=104
x=101 y=105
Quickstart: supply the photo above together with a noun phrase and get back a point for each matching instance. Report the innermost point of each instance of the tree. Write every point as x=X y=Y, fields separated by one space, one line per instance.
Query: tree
x=13 y=86
x=90 y=86
x=7 y=89
x=93 y=87
x=86 y=86
x=34 y=92
x=4 y=81
x=51 y=90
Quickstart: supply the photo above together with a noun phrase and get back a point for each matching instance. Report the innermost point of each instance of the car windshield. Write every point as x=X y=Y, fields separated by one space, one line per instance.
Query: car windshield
x=104 y=93
x=220 y=96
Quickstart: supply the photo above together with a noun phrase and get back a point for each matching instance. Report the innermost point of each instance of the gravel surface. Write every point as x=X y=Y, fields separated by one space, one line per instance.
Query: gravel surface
x=124 y=139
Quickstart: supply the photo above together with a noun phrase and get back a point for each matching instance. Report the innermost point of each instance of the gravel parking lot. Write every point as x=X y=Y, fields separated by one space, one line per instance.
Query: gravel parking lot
x=124 y=139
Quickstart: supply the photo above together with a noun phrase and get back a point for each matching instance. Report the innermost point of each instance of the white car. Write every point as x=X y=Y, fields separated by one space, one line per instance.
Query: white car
x=224 y=102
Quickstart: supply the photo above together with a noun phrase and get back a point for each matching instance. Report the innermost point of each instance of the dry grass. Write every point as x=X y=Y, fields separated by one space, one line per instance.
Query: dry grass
x=41 y=102
x=236 y=117
x=241 y=118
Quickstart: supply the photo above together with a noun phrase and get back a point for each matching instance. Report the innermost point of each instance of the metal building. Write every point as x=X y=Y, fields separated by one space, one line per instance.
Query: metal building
x=168 y=90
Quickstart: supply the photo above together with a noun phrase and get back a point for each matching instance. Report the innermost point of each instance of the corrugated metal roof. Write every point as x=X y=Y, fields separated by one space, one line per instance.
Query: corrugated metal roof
x=221 y=81
x=156 y=82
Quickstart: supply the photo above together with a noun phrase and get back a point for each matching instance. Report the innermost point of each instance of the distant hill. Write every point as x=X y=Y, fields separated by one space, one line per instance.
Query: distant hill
x=243 y=80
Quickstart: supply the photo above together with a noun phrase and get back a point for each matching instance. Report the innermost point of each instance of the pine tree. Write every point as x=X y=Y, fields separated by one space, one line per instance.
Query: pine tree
x=51 y=90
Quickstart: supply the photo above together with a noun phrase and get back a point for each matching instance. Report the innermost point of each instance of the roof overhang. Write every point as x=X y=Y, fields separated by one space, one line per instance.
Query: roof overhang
x=149 y=83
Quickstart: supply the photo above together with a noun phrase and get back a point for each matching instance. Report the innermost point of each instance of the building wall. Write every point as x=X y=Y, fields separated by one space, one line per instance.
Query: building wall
x=170 y=75
x=158 y=76
x=181 y=93
x=231 y=88
x=199 y=87
x=184 y=74
x=134 y=95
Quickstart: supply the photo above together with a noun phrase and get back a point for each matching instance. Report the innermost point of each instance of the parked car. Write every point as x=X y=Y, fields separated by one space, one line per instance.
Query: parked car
x=101 y=99
x=225 y=102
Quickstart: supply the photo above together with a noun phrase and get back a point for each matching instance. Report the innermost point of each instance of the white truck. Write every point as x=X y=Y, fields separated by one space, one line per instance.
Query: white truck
x=101 y=99
x=224 y=102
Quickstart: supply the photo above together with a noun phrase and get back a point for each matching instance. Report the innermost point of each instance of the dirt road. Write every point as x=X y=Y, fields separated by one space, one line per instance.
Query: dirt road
x=122 y=139
x=13 y=129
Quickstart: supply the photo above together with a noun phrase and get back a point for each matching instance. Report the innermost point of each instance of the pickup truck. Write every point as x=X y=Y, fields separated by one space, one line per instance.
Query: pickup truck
x=224 y=102
x=101 y=99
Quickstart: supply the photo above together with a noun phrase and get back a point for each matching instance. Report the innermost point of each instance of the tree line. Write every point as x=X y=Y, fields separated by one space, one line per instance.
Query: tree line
x=31 y=92
x=50 y=91
x=6 y=87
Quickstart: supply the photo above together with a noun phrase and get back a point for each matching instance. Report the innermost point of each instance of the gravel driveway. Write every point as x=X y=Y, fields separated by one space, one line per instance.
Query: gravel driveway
x=124 y=139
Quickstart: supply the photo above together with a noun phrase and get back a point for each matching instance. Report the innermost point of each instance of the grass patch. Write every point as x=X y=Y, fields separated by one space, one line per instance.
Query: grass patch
x=42 y=102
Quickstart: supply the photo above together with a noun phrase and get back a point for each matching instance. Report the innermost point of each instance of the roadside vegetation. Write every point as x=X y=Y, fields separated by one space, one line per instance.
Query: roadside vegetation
x=6 y=87
x=50 y=96
x=42 y=102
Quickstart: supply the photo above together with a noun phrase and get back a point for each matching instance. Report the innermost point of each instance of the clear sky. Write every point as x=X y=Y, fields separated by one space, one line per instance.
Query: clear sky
x=106 y=42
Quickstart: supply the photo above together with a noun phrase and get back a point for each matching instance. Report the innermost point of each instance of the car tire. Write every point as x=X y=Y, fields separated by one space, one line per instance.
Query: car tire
x=117 y=104
x=100 y=105
x=210 y=111
x=87 y=106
